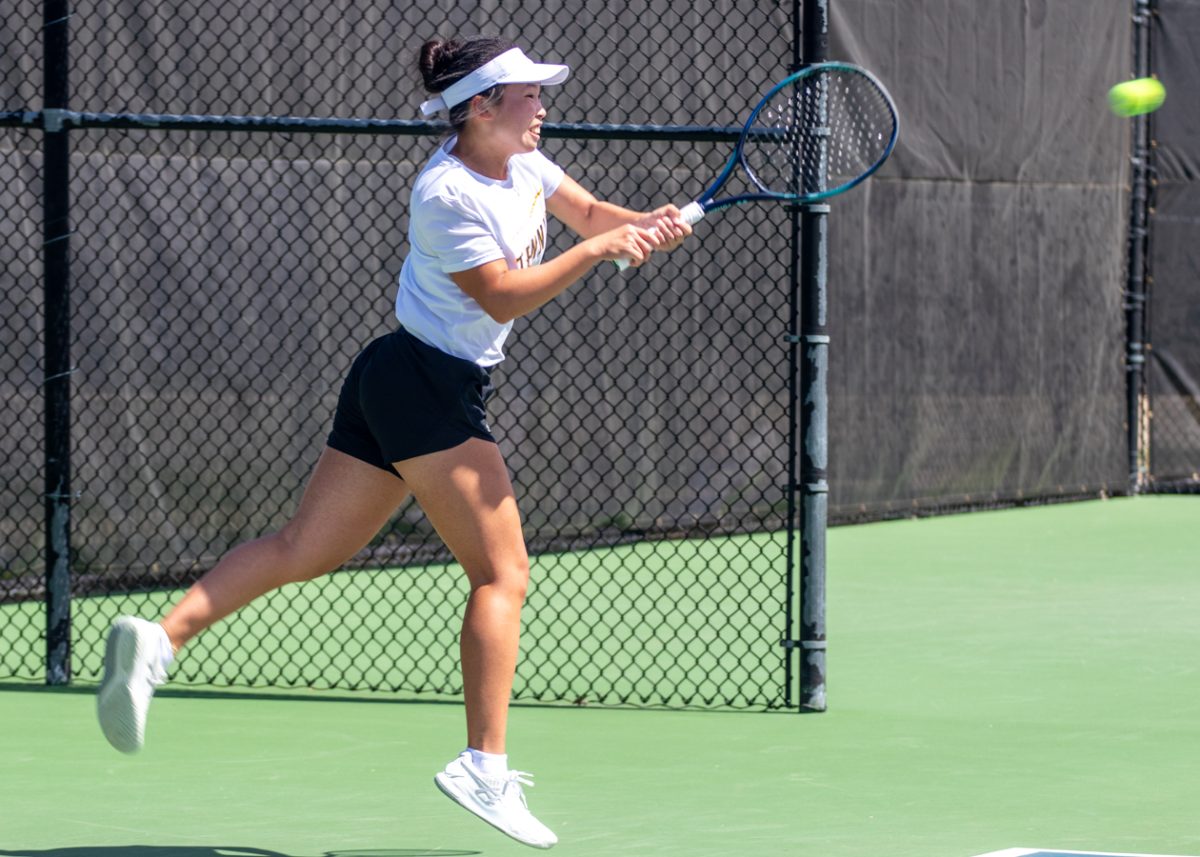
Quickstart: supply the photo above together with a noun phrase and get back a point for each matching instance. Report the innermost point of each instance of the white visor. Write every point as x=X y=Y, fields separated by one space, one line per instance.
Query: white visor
x=512 y=66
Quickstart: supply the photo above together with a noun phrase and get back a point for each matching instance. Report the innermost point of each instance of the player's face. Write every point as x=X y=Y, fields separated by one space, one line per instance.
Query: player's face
x=519 y=115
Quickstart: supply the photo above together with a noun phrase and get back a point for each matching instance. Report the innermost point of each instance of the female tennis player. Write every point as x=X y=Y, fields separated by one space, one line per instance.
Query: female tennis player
x=410 y=418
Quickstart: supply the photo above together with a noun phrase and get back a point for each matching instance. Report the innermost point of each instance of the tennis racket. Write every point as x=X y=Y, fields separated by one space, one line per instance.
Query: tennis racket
x=815 y=134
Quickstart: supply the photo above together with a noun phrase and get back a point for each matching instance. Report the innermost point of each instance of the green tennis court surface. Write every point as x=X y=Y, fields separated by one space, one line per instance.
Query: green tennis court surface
x=1024 y=676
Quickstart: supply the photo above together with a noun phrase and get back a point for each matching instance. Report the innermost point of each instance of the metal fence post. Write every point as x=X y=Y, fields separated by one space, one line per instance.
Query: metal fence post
x=791 y=596
x=814 y=452
x=56 y=252
x=1137 y=409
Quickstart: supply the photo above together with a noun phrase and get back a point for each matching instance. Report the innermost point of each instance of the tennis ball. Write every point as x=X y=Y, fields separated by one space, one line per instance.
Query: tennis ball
x=1135 y=97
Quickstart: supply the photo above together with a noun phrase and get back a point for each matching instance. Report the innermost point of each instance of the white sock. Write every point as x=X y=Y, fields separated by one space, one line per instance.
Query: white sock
x=166 y=654
x=492 y=764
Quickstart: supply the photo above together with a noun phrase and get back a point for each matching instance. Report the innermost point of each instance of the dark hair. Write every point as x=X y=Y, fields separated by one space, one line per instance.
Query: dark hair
x=443 y=63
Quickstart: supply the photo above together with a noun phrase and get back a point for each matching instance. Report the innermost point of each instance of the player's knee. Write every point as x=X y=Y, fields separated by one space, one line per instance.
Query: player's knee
x=518 y=584
x=510 y=580
x=514 y=582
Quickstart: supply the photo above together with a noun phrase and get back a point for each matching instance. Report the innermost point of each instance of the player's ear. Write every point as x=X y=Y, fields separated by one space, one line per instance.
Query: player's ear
x=481 y=106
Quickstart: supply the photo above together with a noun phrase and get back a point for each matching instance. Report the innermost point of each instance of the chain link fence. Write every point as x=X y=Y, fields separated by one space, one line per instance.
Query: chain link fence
x=21 y=540
x=224 y=279
x=227 y=265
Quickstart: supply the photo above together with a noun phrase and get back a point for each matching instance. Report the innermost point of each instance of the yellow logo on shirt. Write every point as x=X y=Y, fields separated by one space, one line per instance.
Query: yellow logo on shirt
x=537 y=246
x=535 y=249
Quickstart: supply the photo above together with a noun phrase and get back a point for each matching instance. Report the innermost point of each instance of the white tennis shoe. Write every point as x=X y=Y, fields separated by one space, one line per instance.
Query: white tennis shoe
x=135 y=663
x=498 y=800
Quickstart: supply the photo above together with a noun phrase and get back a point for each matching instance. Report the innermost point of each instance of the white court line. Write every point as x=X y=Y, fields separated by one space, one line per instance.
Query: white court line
x=1025 y=852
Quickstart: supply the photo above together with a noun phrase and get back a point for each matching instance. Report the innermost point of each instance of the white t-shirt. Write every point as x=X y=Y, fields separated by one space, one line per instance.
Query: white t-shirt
x=458 y=220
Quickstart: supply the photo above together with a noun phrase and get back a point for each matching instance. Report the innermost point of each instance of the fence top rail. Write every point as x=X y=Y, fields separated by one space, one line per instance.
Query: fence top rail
x=57 y=120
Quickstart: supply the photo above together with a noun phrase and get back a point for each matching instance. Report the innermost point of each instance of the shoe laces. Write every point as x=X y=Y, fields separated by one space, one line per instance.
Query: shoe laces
x=511 y=782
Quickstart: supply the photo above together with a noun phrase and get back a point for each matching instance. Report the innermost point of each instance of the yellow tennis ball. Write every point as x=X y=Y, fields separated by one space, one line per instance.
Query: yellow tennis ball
x=1135 y=97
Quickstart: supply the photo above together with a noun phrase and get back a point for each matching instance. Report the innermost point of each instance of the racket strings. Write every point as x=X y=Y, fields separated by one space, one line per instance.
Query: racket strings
x=821 y=133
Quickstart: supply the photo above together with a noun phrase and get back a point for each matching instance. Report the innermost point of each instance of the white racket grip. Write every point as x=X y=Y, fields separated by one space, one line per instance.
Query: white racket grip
x=691 y=213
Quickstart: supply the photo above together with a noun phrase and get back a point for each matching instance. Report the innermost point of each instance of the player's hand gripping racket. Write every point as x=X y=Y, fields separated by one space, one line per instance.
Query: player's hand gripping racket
x=815 y=134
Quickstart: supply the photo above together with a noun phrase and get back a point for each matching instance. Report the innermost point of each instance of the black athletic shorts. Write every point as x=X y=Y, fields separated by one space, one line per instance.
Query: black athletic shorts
x=403 y=398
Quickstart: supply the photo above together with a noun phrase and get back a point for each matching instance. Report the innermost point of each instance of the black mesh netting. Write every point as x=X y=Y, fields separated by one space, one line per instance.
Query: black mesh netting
x=1174 y=268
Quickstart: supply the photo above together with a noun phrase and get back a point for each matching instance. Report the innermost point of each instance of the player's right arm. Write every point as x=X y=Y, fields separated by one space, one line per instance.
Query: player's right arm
x=587 y=216
x=507 y=293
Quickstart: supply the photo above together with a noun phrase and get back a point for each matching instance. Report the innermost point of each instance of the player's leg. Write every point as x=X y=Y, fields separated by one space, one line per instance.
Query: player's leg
x=467 y=496
x=346 y=502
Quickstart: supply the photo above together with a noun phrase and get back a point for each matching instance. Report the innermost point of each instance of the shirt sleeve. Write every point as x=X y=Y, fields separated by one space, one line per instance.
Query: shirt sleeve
x=454 y=235
x=550 y=173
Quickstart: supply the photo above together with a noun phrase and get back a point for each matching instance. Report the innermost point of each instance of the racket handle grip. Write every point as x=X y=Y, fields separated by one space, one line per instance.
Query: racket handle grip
x=691 y=213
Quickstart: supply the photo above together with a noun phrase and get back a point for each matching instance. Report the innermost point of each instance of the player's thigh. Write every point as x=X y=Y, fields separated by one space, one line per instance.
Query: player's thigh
x=466 y=494
x=345 y=503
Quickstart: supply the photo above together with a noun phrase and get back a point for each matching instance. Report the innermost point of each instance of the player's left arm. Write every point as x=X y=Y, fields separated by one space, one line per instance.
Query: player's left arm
x=587 y=216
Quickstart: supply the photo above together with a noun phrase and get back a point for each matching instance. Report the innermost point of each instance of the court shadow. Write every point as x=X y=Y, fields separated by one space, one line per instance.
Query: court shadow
x=219 y=851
